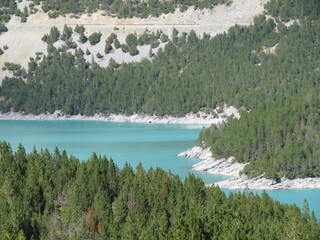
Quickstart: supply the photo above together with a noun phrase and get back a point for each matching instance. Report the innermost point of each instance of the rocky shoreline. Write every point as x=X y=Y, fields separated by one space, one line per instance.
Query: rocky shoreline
x=237 y=181
x=261 y=183
x=212 y=165
x=190 y=118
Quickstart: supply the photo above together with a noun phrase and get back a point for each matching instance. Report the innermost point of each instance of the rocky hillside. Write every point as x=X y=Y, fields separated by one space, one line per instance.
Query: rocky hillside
x=23 y=40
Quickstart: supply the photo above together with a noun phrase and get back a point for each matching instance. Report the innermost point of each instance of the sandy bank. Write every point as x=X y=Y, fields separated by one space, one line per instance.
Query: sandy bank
x=190 y=118
x=236 y=181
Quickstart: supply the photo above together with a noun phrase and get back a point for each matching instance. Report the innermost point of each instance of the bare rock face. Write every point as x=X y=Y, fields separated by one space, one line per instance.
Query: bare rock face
x=228 y=167
x=196 y=152
x=243 y=182
x=223 y=166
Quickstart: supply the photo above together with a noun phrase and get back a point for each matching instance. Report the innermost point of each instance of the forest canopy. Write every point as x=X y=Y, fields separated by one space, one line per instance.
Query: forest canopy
x=47 y=195
x=291 y=10
x=190 y=73
x=277 y=139
x=123 y=8
x=269 y=68
x=280 y=138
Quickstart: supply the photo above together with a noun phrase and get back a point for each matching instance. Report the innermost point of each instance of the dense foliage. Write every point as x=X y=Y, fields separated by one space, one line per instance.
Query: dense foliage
x=267 y=67
x=281 y=138
x=95 y=38
x=292 y=10
x=123 y=8
x=278 y=139
x=51 y=196
x=7 y=9
x=187 y=75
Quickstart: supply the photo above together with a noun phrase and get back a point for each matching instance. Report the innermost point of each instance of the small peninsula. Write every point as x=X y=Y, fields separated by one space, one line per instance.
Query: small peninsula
x=276 y=145
x=229 y=167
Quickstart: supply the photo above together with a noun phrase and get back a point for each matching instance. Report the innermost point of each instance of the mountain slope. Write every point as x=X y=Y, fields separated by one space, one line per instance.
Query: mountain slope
x=24 y=39
x=279 y=139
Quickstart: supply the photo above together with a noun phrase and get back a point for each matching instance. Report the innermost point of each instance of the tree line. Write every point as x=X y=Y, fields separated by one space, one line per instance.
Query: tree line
x=193 y=73
x=280 y=138
x=190 y=73
x=117 y=8
x=131 y=44
x=277 y=139
x=7 y=9
x=50 y=195
x=122 y=8
x=288 y=10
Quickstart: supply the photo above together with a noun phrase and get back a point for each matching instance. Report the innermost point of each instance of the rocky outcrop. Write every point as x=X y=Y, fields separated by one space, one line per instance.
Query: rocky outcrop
x=223 y=166
x=231 y=168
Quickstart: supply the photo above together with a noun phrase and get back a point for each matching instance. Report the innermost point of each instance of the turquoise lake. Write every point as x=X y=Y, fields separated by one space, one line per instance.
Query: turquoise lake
x=154 y=145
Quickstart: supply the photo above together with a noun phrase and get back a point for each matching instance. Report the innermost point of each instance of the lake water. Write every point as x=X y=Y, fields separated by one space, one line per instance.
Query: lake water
x=154 y=145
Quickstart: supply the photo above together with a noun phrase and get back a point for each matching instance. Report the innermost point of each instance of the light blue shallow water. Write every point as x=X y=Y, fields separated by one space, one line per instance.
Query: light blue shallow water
x=155 y=145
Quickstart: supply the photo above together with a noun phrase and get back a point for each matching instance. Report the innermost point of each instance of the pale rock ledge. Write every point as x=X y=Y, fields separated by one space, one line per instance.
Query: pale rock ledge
x=223 y=166
x=237 y=181
x=217 y=117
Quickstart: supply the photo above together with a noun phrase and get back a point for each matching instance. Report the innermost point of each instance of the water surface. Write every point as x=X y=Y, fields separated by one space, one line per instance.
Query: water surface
x=154 y=145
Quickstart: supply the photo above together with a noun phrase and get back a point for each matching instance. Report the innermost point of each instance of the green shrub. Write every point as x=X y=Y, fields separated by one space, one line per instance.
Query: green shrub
x=131 y=40
x=155 y=44
x=79 y=29
x=108 y=48
x=83 y=39
x=95 y=38
x=3 y=28
x=124 y=48
x=133 y=51
x=99 y=55
x=116 y=43
x=164 y=38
